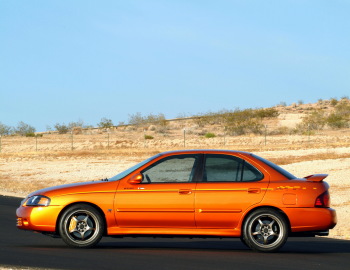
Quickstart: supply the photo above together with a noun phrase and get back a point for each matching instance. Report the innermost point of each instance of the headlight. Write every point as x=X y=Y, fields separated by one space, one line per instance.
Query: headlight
x=38 y=200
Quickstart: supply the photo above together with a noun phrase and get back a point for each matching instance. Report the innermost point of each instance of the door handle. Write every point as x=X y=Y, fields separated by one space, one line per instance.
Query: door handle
x=185 y=191
x=254 y=190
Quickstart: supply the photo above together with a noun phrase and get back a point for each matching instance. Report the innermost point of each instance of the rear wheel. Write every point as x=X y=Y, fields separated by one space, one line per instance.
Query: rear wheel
x=265 y=230
x=81 y=225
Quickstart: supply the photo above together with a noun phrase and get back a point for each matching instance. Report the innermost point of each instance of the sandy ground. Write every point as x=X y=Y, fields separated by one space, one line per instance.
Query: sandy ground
x=20 y=175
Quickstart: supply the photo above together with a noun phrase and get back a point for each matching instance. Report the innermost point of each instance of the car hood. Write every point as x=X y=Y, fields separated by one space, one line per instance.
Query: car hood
x=82 y=187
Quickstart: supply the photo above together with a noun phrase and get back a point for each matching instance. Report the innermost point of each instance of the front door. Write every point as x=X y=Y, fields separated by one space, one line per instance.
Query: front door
x=164 y=198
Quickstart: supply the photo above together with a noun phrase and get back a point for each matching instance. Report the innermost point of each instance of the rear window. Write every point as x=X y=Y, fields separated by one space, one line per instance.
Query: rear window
x=275 y=167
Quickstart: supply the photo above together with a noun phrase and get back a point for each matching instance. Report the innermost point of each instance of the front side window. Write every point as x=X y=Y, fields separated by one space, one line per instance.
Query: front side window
x=223 y=168
x=174 y=169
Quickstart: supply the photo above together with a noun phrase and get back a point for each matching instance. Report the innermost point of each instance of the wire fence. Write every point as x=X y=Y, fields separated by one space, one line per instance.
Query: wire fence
x=171 y=140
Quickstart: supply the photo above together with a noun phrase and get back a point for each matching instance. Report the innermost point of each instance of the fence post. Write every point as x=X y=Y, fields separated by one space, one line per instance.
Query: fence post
x=72 y=141
x=36 y=143
x=184 y=137
x=108 y=138
x=265 y=133
x=0 y=142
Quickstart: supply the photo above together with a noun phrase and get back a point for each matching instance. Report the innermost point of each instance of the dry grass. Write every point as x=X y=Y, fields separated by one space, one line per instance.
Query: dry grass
x=294 y=159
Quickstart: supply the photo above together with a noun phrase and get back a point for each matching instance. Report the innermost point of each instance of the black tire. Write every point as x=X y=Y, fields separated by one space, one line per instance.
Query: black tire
x=265 y=230
x=82 y=226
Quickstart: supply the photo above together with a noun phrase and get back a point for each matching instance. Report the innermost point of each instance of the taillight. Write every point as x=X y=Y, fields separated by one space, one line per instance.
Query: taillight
x=323 y=200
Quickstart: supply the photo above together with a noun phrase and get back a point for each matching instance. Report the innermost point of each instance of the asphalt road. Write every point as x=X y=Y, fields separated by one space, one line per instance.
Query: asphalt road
x=21 y=249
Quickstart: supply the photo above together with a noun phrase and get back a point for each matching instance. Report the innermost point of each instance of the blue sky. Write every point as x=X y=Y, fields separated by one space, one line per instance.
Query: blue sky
x=63 y=61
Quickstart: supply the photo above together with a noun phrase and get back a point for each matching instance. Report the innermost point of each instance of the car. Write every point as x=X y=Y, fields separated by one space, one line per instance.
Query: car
x=191 y=193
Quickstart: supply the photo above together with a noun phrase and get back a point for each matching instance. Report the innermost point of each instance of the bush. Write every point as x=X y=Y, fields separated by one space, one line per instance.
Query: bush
x=341 y=116
x=336 y=121
x=209 y=135
x=5 y=130
x=316 y=120
x=61 y=128
x=334 y=101
x=23 y=129
x=105 y=123
x=148 y=137
x=30 y=134
x=137 y=119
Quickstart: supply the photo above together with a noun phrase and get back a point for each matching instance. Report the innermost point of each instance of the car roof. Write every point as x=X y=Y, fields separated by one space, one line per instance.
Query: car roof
x=204 y=151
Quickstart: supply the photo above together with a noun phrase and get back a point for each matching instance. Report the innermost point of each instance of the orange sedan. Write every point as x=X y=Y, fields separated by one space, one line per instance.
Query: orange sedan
x=192 y=193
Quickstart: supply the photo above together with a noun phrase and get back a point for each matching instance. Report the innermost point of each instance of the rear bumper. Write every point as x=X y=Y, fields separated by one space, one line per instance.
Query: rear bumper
x=37 y=218
x=311 y=219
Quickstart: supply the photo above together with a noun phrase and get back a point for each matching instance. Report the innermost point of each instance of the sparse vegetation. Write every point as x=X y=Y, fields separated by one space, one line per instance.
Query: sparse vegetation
x=333 y=101
x=5 y=130
x=139 y=120
x=148 y=137
x=318 y=119
x=61 y=128
x=238 y=122
x=209 y=135
x=105 y=123
x=24 y=129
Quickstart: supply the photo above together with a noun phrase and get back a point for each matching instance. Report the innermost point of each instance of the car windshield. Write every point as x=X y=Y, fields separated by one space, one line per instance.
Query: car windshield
x=276 y=167
x=130 y=170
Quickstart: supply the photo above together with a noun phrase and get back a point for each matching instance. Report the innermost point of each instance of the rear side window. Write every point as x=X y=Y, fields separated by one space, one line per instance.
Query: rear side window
x=223 y=168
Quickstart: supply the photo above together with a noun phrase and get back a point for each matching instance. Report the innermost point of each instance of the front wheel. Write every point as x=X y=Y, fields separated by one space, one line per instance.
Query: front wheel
x=81 y=226
x=265 y=230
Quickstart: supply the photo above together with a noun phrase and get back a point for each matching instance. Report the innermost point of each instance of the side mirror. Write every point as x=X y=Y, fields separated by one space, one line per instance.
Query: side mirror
x=136 y=179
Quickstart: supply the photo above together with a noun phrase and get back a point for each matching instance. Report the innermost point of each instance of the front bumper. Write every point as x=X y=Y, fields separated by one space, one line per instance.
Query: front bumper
x=38 y=218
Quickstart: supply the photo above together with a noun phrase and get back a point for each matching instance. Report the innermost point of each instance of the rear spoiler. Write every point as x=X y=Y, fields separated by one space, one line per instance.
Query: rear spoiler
x=316 y=177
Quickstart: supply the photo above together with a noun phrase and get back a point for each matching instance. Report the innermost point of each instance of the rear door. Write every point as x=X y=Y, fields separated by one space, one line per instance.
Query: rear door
x=229 y=186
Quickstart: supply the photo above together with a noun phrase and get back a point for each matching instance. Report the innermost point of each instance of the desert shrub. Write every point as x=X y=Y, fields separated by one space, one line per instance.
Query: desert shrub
x=265 y=113
x=334 y=101
x=105 y=123
x=162 y=129
x=30 y=134
x=148 y=137
x=336 y=121
x=152 y=128
x=77 y=130
x=302 y=129
x=340 y=118
x=282 y=104
x=61 y=128
x=75 y=127
x=316 y=120
x=138 y=119
x=210 y=135
x=23 y=129
x=77 y=124
x=5 y=130
x=281 y=131
x=237 y=122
